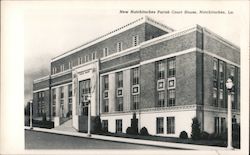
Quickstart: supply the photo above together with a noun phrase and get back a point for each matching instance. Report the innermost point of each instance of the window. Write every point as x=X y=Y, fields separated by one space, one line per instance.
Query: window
x=70 y=64
x=40 y=104
x=119 y=104
x=106 y=82
x=234 y=106
x=105 y=52
x=135 y=75
x=61 y=92
x=84 y=90
x=135 y=102
x=79 y=60
x=215 y=97
x=222 y=75
x=232 y=71
x=221 y=98
x=86 y=58
x=119 y=79
x=171 y=97
x=93 y=55
x=106 y=105
x=160 y=70
x=159 y=125
x=223 y=125
x=118 y=128
x=105 y=125
x=135 y=40
x=70 y=96
x=170 y=125
x=53 y=102
x=119 y=46
x=216 y=125
x=215 y=74
x=54 y=70
x=161 y=99
x=62 y=67
x=171 y=67
x=171 y=83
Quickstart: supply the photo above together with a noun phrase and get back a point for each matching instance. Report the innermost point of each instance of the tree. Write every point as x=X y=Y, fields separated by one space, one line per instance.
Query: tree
x=196 y=131
x=134 y=124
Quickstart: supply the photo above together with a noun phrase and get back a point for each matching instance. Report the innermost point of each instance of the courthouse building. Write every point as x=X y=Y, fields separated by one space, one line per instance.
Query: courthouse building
x=167 y=77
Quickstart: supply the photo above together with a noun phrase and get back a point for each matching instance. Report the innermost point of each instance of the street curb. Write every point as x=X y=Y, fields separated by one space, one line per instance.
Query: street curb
x=132 y=141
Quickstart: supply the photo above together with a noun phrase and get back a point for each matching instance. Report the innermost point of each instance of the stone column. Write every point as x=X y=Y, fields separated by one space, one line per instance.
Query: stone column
x=112 y=92
x=126 y=89
x=57 y=102
x=66 y=100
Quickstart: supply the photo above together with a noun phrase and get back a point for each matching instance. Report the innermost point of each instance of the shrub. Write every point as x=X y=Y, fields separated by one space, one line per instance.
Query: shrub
x=183 y=135
x=69 y=113
x=144 y=131
x=44 y=117
x=195 y=129
x=134 y=125
x=204 y=135
x=129 y=130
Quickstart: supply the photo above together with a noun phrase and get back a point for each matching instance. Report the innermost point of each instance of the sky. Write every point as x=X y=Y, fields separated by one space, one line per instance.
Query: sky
x=51 y=29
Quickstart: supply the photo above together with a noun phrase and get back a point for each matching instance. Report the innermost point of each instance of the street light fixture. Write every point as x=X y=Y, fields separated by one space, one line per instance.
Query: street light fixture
x=31 y=126
x=89 y=114
x=229 y=85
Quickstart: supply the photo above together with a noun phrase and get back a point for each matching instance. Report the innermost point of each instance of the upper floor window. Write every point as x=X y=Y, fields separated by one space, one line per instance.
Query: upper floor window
x=106 y=82
x=62 y=67
x=171 y=67
x=119 y=46
x=93 y=55
x=79 y=60
x=171 y=97
x=70 y=64
x=161 y=99
x=135 y=72
x=62 y=92
x=160 y=70
x=54 y=70
x=86 y=58
x=70 y=90
x=232 y=71
x=105 y=52
x=135 y=40
x=119 y=79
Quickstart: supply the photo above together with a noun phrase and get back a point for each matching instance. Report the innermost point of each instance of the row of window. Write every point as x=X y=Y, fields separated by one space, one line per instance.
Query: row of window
x=220 y=76
x=170 y=125
x=40 y=103
x=165 y=73
x=119 y=90
x=93 y=56
x=61 y=97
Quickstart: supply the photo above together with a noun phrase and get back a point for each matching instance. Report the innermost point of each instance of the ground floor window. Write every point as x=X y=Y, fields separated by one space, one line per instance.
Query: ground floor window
x=223 y=125
x=118 y=126
x=105 y=125
x=216 y=125
x=159 y=125
x=170 y=125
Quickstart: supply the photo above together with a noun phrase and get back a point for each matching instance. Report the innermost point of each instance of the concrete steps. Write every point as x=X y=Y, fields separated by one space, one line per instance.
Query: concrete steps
x=66 y=126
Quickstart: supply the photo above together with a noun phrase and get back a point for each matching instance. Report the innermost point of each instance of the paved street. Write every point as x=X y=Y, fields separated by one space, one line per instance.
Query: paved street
x=41 y=140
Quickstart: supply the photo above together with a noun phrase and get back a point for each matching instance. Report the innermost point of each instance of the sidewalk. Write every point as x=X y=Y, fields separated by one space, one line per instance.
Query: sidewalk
x=133 y=141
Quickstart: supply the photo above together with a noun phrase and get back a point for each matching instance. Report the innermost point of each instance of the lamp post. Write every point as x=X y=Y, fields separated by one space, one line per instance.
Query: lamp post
x=229 y=85
x=31 y=127
x=89 y=115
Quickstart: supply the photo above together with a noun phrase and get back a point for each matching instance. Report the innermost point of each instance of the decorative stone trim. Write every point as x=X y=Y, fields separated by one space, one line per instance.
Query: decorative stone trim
x=220 y=109
x=61 y=73
x=41 y=79
x=39 y=90
x=154 y=110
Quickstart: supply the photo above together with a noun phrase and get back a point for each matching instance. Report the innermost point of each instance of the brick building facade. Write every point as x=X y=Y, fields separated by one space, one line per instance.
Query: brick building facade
x=166 y=77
